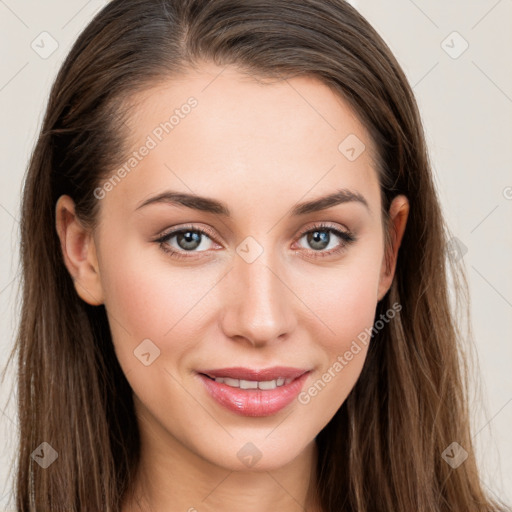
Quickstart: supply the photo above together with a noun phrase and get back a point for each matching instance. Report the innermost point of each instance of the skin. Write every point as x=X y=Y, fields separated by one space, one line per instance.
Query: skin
x=260 y=148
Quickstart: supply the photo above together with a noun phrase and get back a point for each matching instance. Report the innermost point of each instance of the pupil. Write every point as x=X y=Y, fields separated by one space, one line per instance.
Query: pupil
x=318 y=239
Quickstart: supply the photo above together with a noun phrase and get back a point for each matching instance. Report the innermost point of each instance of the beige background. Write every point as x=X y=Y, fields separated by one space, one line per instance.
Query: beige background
x=466 y=101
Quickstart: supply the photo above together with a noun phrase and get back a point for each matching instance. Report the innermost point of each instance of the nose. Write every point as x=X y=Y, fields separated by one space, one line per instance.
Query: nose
x=258 y=303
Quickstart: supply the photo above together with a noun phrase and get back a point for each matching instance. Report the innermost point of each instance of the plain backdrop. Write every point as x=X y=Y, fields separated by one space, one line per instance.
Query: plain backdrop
x=456 y=56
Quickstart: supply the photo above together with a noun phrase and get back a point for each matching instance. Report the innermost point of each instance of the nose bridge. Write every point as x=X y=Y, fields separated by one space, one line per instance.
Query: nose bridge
x=259 y=306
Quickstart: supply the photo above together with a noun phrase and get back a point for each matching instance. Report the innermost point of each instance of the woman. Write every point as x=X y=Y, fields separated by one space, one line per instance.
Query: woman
x=235 y=287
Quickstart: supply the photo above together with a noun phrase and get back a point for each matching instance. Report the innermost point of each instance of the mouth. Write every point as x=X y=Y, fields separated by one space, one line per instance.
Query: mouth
x=251 y=384
x=254 y=392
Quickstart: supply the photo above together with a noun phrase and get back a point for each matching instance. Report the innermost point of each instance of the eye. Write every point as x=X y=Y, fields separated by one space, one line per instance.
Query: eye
x=320 y=238
x=188 y=239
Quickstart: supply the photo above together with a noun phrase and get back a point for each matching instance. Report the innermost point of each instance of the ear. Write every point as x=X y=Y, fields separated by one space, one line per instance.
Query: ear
x=79 y=252
x=398 y=213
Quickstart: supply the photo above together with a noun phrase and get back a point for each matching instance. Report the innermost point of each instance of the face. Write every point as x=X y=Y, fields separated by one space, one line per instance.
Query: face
x=249 y=278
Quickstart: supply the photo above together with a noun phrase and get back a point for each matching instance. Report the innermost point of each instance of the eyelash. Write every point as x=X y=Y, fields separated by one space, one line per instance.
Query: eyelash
x=346 y=236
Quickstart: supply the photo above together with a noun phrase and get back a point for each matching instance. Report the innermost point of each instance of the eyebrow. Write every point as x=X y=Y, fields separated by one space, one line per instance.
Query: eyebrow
x=209 y=205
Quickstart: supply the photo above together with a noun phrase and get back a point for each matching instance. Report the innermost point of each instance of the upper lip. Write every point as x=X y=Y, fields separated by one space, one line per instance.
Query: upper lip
x=264 y=374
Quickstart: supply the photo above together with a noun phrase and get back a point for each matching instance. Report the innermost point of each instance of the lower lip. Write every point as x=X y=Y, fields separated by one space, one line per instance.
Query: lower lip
x=254 y=402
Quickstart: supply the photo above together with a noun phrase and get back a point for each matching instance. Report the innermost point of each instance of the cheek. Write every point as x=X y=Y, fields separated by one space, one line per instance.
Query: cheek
x=344 y=298
x=148 y=299
x=347 y=308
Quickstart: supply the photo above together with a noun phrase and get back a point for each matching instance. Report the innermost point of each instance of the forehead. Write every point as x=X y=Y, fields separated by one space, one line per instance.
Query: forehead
x=216 y=130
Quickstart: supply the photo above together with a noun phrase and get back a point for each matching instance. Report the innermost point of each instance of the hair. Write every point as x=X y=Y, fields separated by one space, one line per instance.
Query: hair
x=382 y=449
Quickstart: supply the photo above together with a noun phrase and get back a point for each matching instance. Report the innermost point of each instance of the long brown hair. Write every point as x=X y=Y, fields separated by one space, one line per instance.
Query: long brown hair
x=382 y=451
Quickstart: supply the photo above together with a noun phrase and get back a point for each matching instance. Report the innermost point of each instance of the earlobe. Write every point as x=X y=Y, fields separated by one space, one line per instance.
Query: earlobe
x=398 y=214
x=79 y=252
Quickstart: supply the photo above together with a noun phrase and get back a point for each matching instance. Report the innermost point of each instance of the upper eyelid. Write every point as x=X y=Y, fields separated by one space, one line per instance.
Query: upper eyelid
x=325 y=226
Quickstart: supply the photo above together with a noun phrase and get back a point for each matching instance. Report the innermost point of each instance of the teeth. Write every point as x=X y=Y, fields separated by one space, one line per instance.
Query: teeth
x=252 y=384
x=268 y=384
x=248 y=384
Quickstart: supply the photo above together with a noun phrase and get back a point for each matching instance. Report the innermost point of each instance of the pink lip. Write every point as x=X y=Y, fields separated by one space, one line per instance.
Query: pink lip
x=254 y=402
